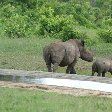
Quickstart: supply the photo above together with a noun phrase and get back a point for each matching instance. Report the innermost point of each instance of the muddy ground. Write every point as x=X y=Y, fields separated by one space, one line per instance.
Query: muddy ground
x=60 y=90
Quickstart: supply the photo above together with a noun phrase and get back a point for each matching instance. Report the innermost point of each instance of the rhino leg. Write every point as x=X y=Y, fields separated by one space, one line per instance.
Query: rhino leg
x=55 y=67
x=93 y=73
x=99 y=73
x=49 y=67
x=68 y=69
x=103 y=74
x=72 y=70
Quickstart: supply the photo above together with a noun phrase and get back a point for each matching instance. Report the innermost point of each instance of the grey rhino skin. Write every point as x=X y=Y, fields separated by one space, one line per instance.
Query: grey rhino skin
x=65 y=54
x=102 y=66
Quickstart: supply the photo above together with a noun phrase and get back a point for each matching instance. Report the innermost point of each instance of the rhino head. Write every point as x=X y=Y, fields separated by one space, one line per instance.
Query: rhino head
x=84 y=53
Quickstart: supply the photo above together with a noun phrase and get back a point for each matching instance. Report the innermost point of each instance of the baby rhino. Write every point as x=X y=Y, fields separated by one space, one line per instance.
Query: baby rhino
x=102 y=66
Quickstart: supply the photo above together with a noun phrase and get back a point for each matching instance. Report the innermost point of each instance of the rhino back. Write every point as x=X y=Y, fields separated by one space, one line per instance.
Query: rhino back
x=72 y=51
x=57 y=52
x=63 y=53
x=101 y=65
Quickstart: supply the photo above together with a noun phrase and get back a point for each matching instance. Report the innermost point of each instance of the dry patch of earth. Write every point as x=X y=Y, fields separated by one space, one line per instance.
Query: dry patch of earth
x=60 y=90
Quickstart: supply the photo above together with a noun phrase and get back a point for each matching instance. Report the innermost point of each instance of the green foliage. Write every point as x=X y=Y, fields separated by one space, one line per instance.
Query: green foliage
x=17 y=29
x=91 y=41
x=56 y=18
x=69 y=33
x=17 y=23
x=106 y=35
x=108 y=22
x=24 y=3
x=52 y=24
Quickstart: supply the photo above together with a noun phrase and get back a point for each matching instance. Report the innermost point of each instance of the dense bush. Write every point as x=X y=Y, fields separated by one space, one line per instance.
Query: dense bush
x=69 y=33
x=106 y=35
x=18 y=23
x=56 y=18
x=51 y=23
x=17 y=29
x=107 y=22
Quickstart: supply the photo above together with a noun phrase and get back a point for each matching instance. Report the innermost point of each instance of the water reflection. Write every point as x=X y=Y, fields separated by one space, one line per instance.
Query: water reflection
x=25 y=79
x=59 y=82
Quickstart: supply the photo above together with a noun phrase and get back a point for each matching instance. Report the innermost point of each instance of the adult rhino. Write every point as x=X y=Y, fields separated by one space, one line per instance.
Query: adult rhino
x=66 y=54
x=101 y=66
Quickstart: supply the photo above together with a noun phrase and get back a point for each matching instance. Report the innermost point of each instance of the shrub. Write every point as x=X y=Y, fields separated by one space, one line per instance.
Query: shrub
x=106 y=35
x=53 y=24
x=18 y=23
x=107 y=22
x=76 y=33
x=16 y=26
x=59 y=26
x=70 y=33
x=91 y=41
x=55 y=18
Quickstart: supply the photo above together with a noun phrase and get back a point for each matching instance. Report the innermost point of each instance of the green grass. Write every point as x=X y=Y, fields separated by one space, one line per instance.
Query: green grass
x=23 y=53
x=23 y=100
x=102 y=50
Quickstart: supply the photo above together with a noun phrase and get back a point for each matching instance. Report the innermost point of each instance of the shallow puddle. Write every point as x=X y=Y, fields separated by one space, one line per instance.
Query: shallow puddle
x=59 y=82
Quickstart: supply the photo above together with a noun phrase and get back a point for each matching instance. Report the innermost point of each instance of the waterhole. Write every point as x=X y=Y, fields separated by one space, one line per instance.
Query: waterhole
x=58 y=82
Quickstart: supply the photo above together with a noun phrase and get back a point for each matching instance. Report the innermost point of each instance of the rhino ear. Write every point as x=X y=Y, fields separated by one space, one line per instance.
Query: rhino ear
x=82 y=42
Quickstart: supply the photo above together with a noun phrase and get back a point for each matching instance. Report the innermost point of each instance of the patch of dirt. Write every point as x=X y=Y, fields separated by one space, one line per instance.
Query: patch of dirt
x=60 y=90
